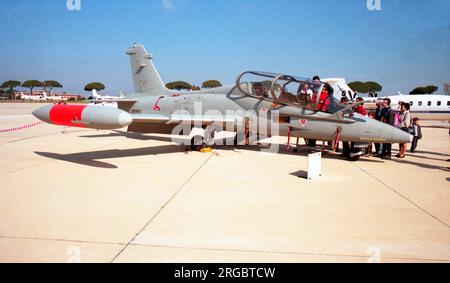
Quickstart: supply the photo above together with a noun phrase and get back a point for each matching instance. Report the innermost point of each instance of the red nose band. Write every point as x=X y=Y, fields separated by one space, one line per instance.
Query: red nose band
x=65 y=115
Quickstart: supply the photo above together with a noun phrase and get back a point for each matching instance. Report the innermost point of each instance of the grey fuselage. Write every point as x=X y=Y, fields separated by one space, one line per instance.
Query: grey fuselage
x=295 y=121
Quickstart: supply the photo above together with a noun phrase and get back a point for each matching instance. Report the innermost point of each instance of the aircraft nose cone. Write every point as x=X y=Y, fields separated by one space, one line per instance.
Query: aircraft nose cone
x=43 y=113
x=400 y=136
x=125 y=119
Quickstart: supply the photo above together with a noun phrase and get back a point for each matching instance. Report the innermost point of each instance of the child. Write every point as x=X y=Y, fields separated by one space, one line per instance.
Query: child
x=417 y=134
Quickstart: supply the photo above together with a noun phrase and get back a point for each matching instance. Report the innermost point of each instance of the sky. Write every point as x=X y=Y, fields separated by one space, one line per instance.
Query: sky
x=404 y=45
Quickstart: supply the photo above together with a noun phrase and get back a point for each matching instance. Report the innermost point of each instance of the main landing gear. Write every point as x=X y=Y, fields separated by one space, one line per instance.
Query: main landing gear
x=199 y=142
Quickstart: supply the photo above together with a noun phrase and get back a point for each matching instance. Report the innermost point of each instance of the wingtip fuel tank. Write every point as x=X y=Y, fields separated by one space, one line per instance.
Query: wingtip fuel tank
x=83 y=116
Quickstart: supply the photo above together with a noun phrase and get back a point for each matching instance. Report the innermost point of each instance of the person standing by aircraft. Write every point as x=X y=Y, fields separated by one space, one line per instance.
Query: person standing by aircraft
x=360 y=108
x=388 y=118
x=324 y=98
x=405 y=125
x=316 y=79
x=304 y=95
x=344 y=101
x=369 y=151
x=417 y=134
x=345 y=145
x=379 y=117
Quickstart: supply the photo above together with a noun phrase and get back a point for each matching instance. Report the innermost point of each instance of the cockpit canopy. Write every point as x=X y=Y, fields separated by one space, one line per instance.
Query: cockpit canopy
x=287 y=90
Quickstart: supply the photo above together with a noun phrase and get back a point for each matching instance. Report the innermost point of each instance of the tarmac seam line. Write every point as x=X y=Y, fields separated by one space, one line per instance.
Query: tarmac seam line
x=404 y=197
x=214 y=249
x=286 y=253
x=61 y=240
x=39 y=136
x=164 y=206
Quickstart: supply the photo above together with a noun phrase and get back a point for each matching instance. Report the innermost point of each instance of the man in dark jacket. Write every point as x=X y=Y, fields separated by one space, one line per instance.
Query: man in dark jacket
x=379 y=117
x=417 y=134
x=388 y=117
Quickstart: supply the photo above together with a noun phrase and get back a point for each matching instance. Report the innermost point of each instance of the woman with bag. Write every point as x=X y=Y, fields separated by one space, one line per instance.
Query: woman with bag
x=405 y=125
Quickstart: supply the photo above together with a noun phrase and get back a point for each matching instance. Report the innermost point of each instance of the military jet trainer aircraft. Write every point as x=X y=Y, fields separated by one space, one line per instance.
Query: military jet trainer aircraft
x=291 y=106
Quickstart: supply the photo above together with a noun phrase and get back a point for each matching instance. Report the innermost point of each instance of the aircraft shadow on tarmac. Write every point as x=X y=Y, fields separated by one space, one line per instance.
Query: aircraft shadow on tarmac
x=422 y=165
x=92 y=158
x=303 y=151
x=142 y=137
x=433 y=153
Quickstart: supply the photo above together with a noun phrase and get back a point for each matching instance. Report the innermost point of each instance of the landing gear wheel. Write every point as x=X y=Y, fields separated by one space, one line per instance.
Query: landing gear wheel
x=240 y=137
x=355 y=155
x=354 y=159
x=312 y=143
x=236 y=142
x=210 y=134
x=197 y=143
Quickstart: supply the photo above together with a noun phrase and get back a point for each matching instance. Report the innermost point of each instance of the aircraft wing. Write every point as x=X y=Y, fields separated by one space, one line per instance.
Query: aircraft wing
x=163 y=118
x=337 y=117
x=180 y=118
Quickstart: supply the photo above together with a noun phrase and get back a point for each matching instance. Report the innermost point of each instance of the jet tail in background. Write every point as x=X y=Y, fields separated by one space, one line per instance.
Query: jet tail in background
x=145 y=76
x=95 y=94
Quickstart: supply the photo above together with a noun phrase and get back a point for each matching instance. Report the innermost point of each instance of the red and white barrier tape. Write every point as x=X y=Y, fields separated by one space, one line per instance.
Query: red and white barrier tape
x=21 y=128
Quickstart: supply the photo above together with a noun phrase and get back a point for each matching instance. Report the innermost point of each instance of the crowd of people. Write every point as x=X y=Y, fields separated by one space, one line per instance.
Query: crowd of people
x=400 y=118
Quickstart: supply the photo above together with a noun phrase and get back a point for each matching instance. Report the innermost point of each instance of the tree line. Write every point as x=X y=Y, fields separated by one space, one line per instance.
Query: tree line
x=370 y=87
x=182 y=85
x=8 y=88
x=374 y=87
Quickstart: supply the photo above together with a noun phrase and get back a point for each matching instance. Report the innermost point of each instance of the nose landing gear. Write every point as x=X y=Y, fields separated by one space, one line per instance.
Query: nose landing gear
x=356 y=154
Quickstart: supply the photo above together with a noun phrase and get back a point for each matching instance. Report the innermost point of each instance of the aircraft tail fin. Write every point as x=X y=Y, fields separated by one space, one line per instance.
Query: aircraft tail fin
x=95 y=94
x=145 y=76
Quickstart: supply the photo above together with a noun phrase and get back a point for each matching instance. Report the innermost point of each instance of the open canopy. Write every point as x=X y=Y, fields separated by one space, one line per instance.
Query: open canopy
x=289 y=90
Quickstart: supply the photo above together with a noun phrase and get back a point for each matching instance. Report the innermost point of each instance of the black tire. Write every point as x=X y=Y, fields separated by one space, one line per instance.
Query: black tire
x=354 y=159
x=312 y=143
x=196 y=142
x=211 y=138
x=236 y=142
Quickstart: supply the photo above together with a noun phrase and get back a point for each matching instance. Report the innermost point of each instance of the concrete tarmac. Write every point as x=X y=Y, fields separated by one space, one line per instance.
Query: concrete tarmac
x=77 y=195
